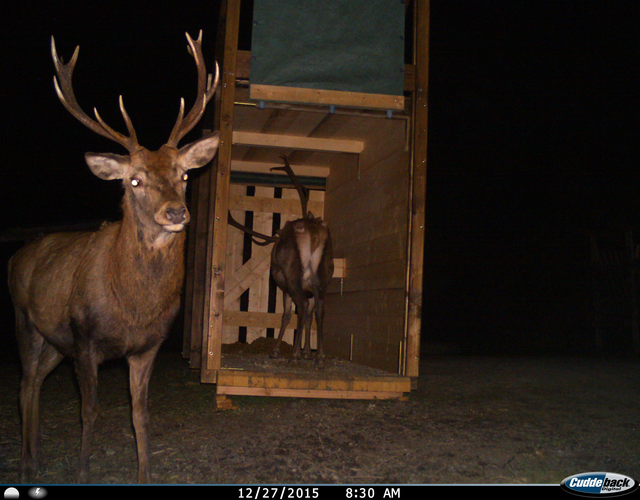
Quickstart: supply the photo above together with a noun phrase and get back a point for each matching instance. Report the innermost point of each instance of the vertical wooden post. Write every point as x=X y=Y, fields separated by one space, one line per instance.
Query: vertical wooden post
x=217 y=227
x=418 y=187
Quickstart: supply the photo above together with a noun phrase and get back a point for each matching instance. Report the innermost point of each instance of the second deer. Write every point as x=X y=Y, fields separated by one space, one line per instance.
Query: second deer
x=302 y=267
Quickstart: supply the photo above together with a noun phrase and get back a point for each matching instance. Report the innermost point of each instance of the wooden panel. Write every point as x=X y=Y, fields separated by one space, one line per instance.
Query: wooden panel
x=251 y=271
x=326 y=97
x=297 y=142
x=253 y=275
x=368 y=215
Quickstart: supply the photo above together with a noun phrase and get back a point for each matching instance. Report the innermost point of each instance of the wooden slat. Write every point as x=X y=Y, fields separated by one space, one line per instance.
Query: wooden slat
x=297 y=142
x=272 y=205
x=217 y=230
x=259 y=319
x=284 y=380
x=326 y=97
x=259 y=289
x=307 y=393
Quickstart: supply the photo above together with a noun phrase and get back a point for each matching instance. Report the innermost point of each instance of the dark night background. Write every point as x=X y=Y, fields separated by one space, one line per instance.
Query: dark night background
x=532 y=143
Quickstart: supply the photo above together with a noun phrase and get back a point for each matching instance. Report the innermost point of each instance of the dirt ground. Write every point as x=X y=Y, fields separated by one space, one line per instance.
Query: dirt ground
x=471 y=420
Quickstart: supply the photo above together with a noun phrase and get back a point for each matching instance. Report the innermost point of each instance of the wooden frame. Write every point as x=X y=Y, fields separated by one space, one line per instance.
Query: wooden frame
x=375 y=171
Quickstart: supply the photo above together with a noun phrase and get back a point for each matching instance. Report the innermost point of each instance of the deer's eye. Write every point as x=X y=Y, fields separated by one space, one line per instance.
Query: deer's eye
x=185 y=176
x=135 y=182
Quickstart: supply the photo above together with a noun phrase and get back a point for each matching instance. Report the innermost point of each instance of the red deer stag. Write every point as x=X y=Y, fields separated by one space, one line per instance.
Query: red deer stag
x=302 y=267
x=114 y=292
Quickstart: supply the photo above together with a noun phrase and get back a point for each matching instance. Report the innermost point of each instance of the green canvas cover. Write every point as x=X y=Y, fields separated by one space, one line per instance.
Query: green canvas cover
x=344 y=45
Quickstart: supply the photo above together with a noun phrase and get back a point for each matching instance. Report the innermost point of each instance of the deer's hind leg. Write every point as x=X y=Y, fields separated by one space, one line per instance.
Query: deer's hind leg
x=286 y=317
x=38 y=359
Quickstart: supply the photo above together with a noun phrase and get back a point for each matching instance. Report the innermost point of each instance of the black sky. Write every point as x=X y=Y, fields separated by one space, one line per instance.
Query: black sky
x=533 y=136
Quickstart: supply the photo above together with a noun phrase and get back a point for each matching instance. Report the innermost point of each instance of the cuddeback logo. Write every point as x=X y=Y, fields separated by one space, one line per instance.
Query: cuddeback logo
x=599 y=483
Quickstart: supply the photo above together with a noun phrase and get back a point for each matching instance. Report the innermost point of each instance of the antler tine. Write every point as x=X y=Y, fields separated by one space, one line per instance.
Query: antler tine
x=64 y=89
x=184 y=125
x=302 y=191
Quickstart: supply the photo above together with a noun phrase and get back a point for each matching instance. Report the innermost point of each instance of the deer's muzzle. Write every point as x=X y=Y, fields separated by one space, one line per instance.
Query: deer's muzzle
x=172 y=216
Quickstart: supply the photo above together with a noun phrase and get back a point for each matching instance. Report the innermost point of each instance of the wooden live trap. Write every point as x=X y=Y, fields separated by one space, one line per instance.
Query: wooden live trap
x=363 y=156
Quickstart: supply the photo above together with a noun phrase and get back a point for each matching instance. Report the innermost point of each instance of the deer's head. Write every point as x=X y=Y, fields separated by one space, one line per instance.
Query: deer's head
x=154 y=181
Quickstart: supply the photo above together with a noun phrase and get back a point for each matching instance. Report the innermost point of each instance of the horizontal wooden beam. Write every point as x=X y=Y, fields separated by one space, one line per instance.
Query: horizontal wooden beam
x=306 y=393
x=273 y=205
x=265 y=168
x=297 y=142
x=325 y=97
x=259 y=319
x=316 y=381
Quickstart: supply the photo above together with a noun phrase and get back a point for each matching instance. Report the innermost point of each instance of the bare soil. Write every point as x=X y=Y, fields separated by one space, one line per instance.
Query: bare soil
x=471 y=420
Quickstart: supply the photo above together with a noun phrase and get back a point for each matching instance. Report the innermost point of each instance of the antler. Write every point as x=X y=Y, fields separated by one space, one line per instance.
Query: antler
x=302 y=191
x=251 y=232
x=64 y=89
x=205 y=92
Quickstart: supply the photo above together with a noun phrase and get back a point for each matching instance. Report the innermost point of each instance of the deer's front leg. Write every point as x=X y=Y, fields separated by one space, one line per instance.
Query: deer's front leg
x=87 y=372
x=140 y=368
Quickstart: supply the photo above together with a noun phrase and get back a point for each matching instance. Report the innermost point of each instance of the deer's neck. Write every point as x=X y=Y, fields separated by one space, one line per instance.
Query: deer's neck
x=147 y=272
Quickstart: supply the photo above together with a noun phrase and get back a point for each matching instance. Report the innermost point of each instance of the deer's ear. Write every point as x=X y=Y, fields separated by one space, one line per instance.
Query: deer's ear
x=108 y=166
x=199 y=153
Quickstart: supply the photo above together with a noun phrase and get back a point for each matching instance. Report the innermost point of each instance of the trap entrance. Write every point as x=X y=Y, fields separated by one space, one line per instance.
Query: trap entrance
x=373 y=164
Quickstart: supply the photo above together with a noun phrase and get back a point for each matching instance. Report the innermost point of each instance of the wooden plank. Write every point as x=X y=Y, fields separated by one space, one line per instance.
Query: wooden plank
x=265 y=168
x=259 y=289
x=326 y=97
x=297 y=142
x=418 y=189
x=234 y=262
x=285 y=380
x=307 y=393
x=217 y=229
x=262 y=204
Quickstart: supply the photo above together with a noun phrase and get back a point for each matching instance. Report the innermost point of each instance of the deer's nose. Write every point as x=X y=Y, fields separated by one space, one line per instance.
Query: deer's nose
x=176 y=215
